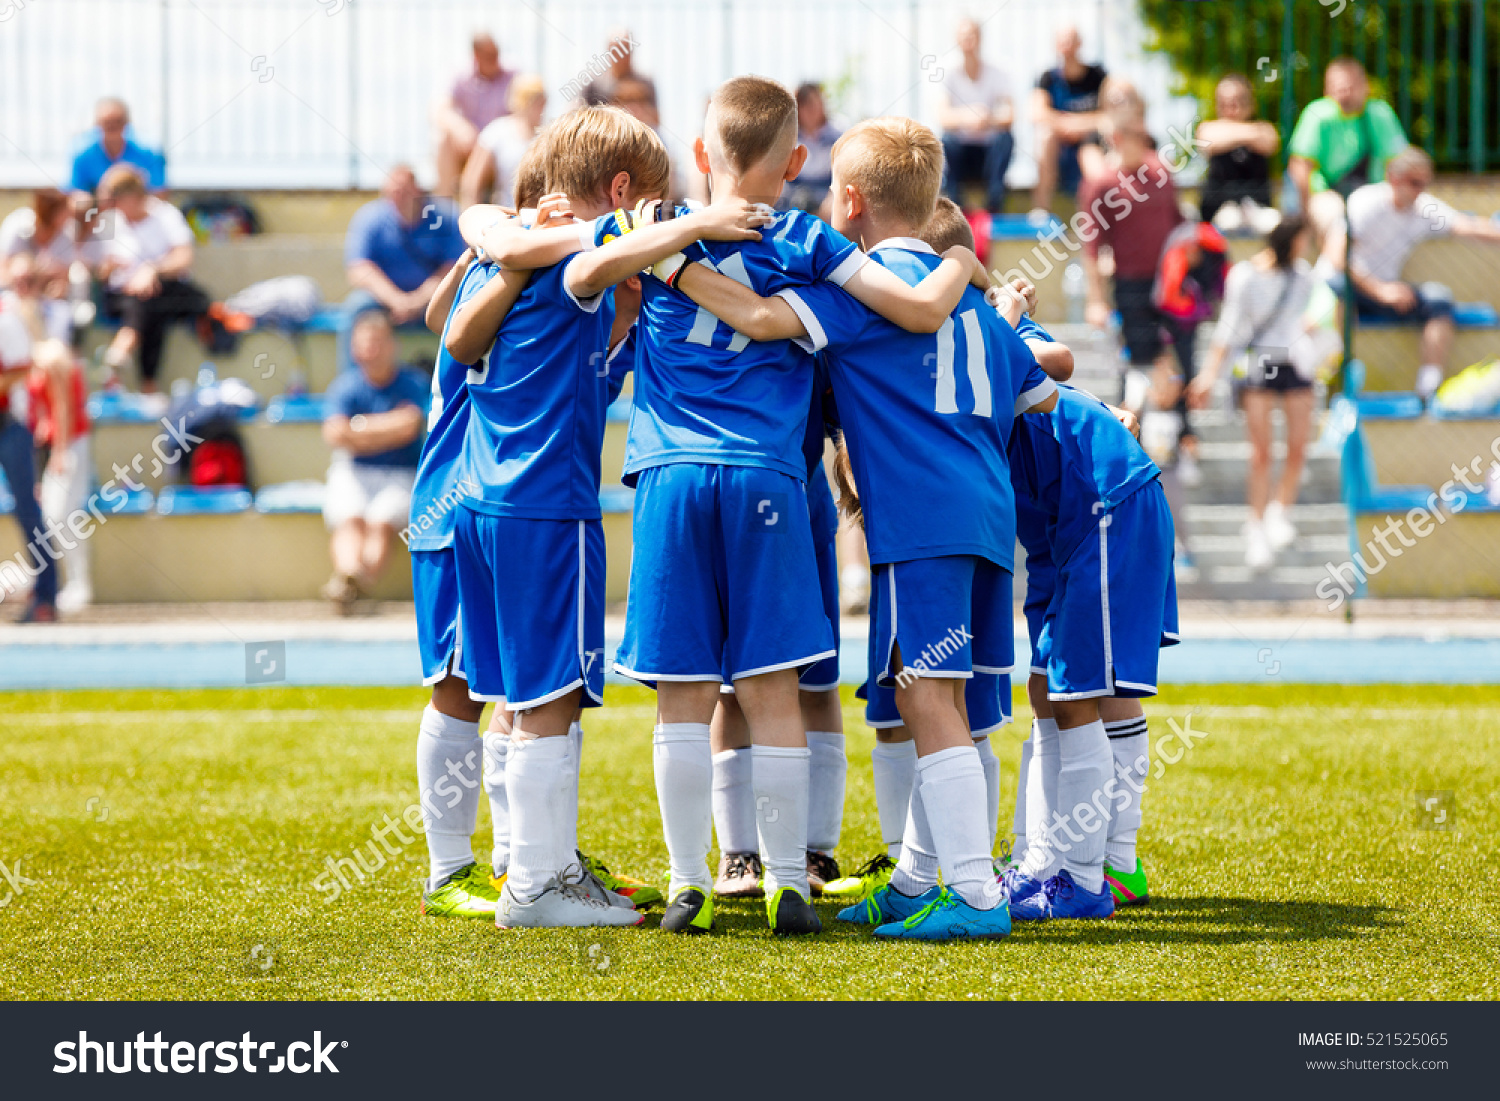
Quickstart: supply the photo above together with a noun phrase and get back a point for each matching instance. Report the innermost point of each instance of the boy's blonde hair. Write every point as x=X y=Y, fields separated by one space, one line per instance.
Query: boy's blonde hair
x=121 y=179
x=896 y=163
x=588 y=146
x=753 y=118
x=531 y=173
x=948 y=227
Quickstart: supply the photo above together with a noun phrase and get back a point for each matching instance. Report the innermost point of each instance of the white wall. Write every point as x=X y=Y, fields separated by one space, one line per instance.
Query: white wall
x=325 y=93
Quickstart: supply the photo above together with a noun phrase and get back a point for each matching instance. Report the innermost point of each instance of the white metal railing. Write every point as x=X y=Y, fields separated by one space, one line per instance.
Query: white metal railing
x=330 y=93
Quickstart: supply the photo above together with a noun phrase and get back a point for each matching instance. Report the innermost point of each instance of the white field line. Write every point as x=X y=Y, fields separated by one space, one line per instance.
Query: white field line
x=414 y=715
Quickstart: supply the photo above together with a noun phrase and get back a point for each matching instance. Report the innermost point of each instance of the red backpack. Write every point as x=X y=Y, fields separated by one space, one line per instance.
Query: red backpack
x=219 y=462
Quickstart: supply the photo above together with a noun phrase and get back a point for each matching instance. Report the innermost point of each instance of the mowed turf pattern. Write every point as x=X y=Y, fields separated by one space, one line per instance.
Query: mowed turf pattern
x=167 y=845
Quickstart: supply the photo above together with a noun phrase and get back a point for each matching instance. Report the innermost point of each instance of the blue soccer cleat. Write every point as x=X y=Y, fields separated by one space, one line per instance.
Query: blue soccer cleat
x=886 y=905
x=1028 y=900
x=949 y=917
x=1065 y=899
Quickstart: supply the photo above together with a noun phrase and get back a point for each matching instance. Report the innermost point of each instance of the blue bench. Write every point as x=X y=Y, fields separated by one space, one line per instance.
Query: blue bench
x=1391 y=406
x=1466 y=315
x=203 y=501
x=291 y=498
x=296 y=409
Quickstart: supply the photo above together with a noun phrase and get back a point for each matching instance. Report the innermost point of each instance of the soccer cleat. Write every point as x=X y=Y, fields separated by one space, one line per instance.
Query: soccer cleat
x=465 y=893
x=563 y=903
x=885 y=904
x=1024 y=893
x=949 y=917
x=1129 y=888
x=640 y=893
x=821 y=867
x=1063 y=899
x=875 y=874
x=790 y=914
x=690 y=911
x=739 y=876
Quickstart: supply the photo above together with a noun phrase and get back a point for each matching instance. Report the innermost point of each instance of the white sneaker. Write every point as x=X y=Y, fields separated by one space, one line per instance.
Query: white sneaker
x=1429 y=378
x=74 y=597
x=1187 y=470
x=562 y=904
x=1280 y=532
x=1257 y=550
x=1262 y=219
x=1229 y=218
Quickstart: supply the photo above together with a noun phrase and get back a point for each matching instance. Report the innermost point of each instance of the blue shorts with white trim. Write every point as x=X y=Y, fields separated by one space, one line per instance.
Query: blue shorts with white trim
x=986 y=698
x=951 y=616
x=723 y=576
x=434 y=586
x=533 y=598
x=1115 y=604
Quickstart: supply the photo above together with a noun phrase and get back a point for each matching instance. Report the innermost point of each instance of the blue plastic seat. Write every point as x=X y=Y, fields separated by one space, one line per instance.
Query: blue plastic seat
x=203 y=500
x=1394 y=498
x=296 y=409
x=291 y=497
x=1389 y=406
x=1018 y=227
x=122 y=407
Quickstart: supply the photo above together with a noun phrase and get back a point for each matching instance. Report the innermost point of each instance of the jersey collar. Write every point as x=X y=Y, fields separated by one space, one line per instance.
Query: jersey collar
x=910 y=244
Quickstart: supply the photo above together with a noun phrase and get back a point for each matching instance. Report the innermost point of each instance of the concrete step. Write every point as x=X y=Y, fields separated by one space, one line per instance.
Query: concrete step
x=1236 y=582
x=225 y=268
x=1203 y=520
x=1213 y=551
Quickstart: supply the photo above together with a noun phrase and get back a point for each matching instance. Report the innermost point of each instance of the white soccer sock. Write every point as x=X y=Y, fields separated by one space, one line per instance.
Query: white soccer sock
x=1429 y=378
x=450 y=758
x=991 y=765
x=682 y=760
x=1018 y=822
x=496 y=753
x=734 y=802
x=917 y=869
x=536 y=779
x=952 y=784
x=1085 y=764
x=895 y=767
x=575 y=756
x=1131 y=749
x=825 y=789
x=780 y=778
x=1041 y=799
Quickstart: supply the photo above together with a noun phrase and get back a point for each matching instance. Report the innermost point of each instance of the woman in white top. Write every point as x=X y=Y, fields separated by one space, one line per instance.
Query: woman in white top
x=490 y=174
x=1265 y=299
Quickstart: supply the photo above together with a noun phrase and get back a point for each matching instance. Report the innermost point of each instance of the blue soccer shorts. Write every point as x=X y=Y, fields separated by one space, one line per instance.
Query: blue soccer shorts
x=434 y=585
x=533 y=598
x=823 y=676
x=723 y=576
x=986 y=698
x=1115 y=604
x=951 y=617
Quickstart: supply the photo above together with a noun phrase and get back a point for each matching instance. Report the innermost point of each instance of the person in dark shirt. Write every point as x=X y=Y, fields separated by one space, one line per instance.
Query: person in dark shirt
x=1239 y=148
x=1065 y=111
x=375 y=423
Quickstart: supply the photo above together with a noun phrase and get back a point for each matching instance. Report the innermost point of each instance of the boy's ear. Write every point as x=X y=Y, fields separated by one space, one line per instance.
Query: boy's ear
x=856 y=200
x=619 y=190
x=795 y=163
x=700 y=156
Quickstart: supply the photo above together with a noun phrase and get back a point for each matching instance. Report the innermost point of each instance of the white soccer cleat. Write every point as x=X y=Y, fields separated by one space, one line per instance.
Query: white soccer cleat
x=562 y=904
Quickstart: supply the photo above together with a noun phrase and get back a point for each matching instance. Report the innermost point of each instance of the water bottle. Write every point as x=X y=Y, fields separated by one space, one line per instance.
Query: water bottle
x=208 y=374
x=1074 y=291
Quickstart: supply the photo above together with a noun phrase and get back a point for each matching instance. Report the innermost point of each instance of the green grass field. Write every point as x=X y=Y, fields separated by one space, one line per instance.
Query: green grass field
x=168 y=842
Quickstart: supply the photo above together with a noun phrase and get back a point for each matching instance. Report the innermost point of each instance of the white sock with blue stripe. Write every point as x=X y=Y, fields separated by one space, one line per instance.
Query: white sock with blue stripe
x=450 y=758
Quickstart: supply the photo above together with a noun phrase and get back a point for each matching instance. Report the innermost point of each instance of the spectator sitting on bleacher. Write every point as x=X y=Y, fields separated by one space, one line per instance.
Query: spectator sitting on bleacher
x=375 y=423
x=1340 y=143
x=1387 y=221
x=476 y=99
x=604 y=89
x=976 y=115
x=114 y=147
x=490 y=175
x=148 y=252
x=47 y=231
x=809 y=191
x=397 y=250
x=1065 y=110
x=1239 y=146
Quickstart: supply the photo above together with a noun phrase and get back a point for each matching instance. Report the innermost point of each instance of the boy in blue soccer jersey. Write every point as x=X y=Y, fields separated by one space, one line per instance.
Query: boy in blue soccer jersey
x=1101 y=601
x=528 y=541
x=926 y=419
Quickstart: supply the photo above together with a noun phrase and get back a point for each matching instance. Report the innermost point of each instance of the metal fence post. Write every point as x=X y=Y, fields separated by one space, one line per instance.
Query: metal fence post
x=1476 y=89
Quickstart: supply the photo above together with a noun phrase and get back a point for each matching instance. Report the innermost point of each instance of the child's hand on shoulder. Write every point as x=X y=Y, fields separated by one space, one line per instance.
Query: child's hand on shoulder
x=734 y=220
x=553 y=210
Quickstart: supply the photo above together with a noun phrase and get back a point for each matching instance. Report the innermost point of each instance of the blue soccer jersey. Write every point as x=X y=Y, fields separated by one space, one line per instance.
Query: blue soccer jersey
x=436 y=492
x=538 y=397
x=1074 y=463
x=926 y=416
x=707 y=394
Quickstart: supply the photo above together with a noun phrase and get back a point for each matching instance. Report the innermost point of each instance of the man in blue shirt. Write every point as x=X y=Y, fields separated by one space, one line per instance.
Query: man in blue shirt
x=375 y=422
x=396 y=252
x=114 y=146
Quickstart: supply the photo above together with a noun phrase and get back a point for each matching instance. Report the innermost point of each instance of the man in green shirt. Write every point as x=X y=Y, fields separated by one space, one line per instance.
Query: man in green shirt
x=1341 y=142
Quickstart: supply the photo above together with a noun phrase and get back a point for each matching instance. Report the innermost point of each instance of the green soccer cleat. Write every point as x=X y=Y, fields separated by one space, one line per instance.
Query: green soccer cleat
x=468 y=892
x=640 y=893
x=690 y=911
x=1129 y=888
x=790 y=914
x=869 y=879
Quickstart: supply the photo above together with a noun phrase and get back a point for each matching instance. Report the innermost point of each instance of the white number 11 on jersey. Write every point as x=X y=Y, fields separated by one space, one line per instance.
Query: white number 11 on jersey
x=979 y=376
